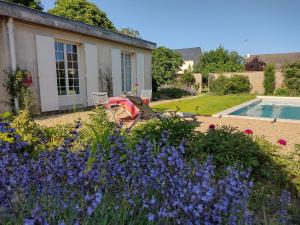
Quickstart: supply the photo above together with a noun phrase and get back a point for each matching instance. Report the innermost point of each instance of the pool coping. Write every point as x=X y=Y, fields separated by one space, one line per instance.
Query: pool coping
x=226 y=112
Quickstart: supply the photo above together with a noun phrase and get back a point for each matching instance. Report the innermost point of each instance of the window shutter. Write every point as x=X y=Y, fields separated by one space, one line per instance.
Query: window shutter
x=91 y=70
x=116 y=71
x=140 y=72
x=47 y=73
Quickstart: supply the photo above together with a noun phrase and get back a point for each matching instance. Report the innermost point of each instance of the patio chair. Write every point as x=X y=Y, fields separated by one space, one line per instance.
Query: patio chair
x=145 y=111
x=146 y=94
x=101 y=98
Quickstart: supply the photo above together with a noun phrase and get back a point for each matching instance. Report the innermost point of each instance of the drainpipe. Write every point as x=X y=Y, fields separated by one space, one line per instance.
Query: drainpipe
x=12 y=49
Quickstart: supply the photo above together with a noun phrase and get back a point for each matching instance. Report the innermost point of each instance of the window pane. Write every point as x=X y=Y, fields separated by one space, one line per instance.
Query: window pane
x=71 y=82
x=62 y=82
x=61 y=65
x=76 y=82
x=75 y=65
x=74 y=49
x=75 y=57
x=69 y=48
x=63 y=91
x=69 y=56
x=77 y=90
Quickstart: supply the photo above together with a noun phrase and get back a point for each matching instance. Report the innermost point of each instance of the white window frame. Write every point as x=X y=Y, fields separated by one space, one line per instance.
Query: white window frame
x=125 y=78
x=68 y=92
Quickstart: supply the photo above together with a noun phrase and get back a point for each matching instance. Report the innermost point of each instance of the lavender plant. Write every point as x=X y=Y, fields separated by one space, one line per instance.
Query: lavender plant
x=141 y=185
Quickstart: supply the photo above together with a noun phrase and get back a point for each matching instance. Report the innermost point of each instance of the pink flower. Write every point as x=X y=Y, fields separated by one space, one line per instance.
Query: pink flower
x=248 y=131
x=282 y=142
x=211 y=126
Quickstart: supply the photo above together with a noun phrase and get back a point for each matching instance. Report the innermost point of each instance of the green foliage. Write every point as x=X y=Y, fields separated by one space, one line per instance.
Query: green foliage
x=83 y=11
x=130 y=32
x=233 y=85
x=269 y=79
x=291 y=73
x=99 y=125
x=34 y=4
x=228 y=146
x=17 y=90
x=283 y=91
x=177 y=129
x=170 y=93
x=219 y=60
x=187 y=78
x=165 y=65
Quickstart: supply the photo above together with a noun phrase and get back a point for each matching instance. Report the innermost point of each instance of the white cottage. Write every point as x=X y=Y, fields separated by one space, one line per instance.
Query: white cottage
x=69 y=60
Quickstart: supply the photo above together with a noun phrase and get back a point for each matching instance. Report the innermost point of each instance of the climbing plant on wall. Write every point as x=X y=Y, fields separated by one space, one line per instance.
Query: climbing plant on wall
x=17 y=86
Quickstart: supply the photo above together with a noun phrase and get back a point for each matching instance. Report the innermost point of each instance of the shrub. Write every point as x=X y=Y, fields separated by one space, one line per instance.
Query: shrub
x=173 y=128
x=230 y=146
x=269 y=79
x=170 y=93
x=239 y=84
x=283 y=91
x=291 y=73
x=236 y=84
x=255 y=64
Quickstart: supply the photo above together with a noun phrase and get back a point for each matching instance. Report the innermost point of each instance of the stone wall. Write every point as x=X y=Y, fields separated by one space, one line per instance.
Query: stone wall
x=256 y=79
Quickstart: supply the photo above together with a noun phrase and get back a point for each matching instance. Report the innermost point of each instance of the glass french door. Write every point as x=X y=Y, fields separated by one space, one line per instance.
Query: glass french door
x=66 y=57
x=126 y=72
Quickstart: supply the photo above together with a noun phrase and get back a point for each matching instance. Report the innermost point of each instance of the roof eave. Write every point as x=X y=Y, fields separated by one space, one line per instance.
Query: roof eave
x=37 y=17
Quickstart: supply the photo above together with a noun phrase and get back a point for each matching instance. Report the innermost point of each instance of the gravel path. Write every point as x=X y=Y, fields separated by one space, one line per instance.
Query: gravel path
x=271 y=131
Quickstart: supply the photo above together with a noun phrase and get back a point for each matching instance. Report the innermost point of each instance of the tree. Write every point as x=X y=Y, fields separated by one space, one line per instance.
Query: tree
x=255 y=64
x=219 y=60
x=83 y=11
x=291 y=74
x=130 y=32
x=165 y=65
x=35 y=4
x=269 y=79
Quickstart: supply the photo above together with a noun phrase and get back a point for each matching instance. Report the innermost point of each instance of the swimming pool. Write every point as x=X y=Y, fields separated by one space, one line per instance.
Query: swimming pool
x=263 y=107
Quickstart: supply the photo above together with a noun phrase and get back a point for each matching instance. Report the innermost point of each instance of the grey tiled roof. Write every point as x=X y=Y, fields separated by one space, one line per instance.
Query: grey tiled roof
x=277 y=59
x=29 y=15
x=190 y=54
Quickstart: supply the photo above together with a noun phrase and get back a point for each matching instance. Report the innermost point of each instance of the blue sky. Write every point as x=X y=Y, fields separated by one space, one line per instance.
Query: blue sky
x=248 y=26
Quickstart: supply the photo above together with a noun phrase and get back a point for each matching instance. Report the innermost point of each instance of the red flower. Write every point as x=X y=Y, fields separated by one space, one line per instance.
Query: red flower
x=248 y=131
x=282 y=142
x=211 y=126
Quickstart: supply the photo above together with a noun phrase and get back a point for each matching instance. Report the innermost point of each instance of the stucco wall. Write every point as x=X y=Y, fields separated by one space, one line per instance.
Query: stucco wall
x=25 y=41
x=4 y=64
x=185 y=66
x=256 y=79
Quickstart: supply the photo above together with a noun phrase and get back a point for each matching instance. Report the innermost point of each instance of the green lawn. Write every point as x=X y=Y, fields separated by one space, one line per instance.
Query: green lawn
x=205 y=104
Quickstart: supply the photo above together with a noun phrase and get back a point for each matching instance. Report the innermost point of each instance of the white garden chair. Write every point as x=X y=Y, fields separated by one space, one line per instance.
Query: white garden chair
x=101 y=98
x=146 y=94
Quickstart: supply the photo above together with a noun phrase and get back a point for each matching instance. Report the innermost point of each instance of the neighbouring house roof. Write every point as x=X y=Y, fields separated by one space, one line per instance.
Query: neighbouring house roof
x=278 y=59
x=29 y=15
x=190 y=54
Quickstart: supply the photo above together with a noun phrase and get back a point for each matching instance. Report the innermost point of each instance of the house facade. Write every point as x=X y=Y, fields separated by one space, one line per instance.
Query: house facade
x=190 y=57
x=68 y=60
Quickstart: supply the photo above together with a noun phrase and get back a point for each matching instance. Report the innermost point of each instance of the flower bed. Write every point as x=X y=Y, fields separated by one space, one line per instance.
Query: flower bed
x=146 y=177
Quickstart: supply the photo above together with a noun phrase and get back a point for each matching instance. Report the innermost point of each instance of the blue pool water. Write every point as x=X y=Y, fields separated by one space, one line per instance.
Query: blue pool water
x=270 y=110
